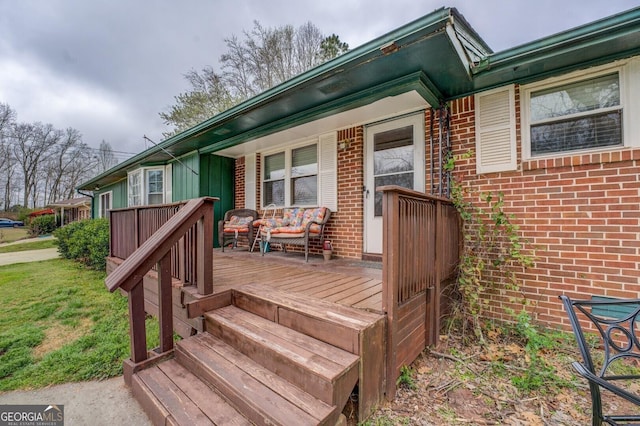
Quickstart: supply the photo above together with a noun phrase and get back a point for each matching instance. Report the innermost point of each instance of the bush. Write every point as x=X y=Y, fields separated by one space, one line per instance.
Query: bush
x=42 y=225
x=86 y=241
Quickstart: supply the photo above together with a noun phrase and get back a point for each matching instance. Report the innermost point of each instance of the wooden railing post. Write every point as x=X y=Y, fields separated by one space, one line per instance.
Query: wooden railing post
x=137 y=328
x=204 y=257
x=390 y=245
x=165 y=303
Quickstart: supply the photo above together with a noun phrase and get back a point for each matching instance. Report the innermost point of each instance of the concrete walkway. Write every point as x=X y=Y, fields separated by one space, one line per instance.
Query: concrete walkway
x=108 y=402
x=28 y=256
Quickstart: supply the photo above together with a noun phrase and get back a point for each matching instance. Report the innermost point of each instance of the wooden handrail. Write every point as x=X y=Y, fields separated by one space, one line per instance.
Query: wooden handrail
x=151 y=251
x=156 y=250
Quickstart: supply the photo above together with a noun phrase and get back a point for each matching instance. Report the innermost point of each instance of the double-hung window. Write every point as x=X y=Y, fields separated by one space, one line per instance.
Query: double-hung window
x=290 y=177
x=574 y=116
x=154 y=186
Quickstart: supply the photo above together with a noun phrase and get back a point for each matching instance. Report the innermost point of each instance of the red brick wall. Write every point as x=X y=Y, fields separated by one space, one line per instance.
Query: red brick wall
x=580 y=214
x=348 y=221
x=239 y=195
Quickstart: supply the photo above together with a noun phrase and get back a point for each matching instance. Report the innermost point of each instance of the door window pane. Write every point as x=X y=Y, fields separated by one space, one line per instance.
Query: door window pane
x=404 y=180
x=393 y=151
x=393 y=161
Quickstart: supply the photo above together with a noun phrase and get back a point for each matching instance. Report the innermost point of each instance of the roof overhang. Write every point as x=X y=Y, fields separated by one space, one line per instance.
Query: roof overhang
x=439 y=56
x=425 y=56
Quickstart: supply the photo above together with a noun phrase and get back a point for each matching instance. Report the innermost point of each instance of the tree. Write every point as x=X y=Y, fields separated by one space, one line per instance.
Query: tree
x=331 y=47
x=31 y=144
x=105 y=157
x=7 y=159
x=263 y=58
x=69 y=160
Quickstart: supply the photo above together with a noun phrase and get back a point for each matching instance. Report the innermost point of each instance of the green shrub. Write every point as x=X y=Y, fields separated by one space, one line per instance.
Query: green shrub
x=86 y=241
x=42 y=225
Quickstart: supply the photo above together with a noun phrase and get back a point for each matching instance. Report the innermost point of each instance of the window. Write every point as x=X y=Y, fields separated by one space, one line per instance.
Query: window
x=575 y=116
x=155 y=191
x=291 y=177
x=304 y=176
x=105 y=204
x=135 y=188
x=274 y=175
x=150 y=185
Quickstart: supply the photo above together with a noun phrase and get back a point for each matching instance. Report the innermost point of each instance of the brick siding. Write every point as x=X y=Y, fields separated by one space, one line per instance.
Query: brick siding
x=579 y=213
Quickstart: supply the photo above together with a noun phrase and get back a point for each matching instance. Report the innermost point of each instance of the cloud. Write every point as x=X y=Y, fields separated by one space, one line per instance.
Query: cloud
x=108 y=67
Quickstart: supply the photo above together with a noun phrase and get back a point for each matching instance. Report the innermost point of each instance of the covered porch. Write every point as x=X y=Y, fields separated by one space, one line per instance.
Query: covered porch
x=293 y=318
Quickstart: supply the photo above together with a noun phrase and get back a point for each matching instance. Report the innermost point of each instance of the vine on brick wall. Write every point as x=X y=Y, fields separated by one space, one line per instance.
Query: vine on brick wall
x=492 y=254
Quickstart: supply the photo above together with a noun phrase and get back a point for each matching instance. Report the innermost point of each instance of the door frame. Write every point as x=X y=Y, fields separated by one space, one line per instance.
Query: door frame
x=372 y=225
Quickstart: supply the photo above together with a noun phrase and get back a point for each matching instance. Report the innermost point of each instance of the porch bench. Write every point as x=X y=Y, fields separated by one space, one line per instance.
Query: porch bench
x=297 y=226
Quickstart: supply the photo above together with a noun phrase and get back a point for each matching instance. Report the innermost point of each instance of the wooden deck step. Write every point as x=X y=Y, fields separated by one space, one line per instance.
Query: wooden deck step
x=320 y=369
x=329 y=322
x=170 y=394
x=261 y=395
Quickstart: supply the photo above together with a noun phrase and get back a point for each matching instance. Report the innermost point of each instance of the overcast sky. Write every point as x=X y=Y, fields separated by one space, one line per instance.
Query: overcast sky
x=108 y=67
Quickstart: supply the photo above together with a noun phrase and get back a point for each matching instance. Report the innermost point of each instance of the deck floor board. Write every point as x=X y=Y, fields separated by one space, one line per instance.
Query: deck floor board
x=336 y=281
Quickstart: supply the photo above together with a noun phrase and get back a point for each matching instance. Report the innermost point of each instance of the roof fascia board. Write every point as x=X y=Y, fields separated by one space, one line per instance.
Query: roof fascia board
x=417 y=81
x=437 y=18
x=440 y=16
x=562 y=43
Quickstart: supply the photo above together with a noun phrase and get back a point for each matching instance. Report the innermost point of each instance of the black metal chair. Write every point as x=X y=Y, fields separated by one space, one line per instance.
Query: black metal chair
x=617 y=322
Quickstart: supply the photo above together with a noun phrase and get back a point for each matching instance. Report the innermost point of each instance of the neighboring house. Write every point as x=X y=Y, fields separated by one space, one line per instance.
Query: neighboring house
x=72 y=209
x=552 y=124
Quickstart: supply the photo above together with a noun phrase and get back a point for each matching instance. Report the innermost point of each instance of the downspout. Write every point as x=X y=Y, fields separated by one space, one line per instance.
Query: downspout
x=93 y=199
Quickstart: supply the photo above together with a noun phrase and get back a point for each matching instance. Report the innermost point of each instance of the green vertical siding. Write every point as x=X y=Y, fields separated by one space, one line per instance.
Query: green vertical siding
x=216 y=180
x=118 y=197
x=186 y=183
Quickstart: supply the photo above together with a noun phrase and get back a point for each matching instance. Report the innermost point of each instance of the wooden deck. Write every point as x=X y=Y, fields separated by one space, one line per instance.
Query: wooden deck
x=346 y=282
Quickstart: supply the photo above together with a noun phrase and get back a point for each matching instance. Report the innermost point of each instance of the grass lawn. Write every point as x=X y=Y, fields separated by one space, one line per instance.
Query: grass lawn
x=9 y=235
x=34 y=245
x=60 y=324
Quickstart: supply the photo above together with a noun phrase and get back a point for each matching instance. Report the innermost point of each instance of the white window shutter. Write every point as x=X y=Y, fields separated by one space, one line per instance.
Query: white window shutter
x=328 y=171
x=496 y=130
x=250 y=181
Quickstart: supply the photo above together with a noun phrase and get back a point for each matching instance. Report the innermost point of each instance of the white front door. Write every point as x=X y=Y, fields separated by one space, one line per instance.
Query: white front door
x=394 y=155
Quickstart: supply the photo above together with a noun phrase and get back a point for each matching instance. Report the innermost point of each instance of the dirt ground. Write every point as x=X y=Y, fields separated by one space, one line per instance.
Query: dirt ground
x=456 y=384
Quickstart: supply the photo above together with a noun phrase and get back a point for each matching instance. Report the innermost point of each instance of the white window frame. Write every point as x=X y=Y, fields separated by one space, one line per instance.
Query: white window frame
x=144 y=184
x=287 y=174
x=130 y=201
x=574 y=77
x=146 y=191
x=100 y=201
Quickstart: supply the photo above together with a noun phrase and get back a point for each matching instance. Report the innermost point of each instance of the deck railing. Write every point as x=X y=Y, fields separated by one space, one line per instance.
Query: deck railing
x=421 y=246
x=192 y=225
x=130 y=227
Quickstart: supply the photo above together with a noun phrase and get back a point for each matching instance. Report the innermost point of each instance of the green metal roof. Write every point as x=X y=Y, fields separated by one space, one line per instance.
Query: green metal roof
x=439 y=55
